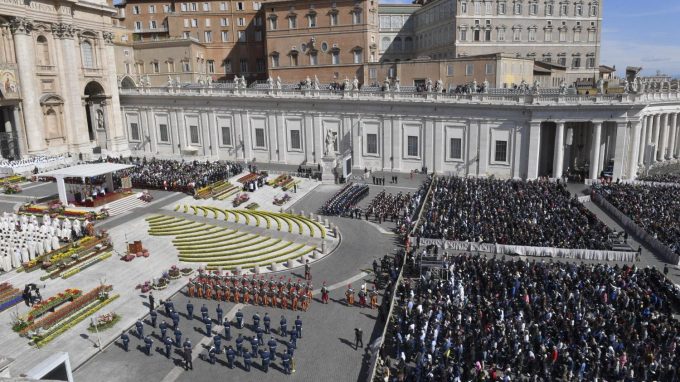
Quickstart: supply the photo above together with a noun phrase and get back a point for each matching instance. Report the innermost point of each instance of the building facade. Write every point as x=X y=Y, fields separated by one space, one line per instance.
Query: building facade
x=506 y=135
x=59 y=91
x=331 y=40
x=231 y=34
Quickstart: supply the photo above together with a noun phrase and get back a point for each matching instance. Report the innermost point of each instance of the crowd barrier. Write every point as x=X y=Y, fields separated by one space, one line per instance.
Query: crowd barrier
x=502 y=249
x=659 y=248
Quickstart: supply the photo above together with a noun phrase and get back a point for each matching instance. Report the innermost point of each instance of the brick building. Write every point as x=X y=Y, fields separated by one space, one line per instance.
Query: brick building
x=229 y=33
x=330 y=39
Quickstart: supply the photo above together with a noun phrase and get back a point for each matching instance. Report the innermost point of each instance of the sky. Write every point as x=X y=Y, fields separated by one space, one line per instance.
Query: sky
x=636 y=33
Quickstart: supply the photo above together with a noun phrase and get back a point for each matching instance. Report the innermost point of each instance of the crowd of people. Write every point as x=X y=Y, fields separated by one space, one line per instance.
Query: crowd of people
x=489 y=319
x=346 y=200
x=653 y=208
x=532 y=213
x=661 y=178
x=171 y=175
x=386 y=206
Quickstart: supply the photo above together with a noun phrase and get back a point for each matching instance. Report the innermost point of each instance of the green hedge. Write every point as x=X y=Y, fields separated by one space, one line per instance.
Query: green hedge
x=252 y=240
x=234 y=255
x=232 y=251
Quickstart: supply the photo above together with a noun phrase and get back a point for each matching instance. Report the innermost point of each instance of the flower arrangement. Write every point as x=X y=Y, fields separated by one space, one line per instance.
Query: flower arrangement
x=174 y=273
x=186 y=271
x=42 y=307
x=145 y=288
x=103 y=322
x=12 y=189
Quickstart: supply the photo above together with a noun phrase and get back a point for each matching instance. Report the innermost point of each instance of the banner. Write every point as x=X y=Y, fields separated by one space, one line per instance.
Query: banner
x=126 y=182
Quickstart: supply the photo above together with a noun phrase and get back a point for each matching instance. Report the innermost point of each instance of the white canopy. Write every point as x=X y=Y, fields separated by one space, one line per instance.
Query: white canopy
x=86 y=170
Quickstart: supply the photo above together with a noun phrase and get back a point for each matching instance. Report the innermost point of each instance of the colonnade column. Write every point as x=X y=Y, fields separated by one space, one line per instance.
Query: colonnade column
x=534 y=149
x=673 y=135
x=634 y=161
x=663 y=139
x=33 y=123
x=558 y=160
x=655 y=136
x=595 y=150
x=643 y=141
x=20 y=131
x=619 y=150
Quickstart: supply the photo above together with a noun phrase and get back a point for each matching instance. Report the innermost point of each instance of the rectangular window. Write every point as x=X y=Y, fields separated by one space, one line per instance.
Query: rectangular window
x=372 y=73
x=590 y=62
x=532 y=34
x=259 y=65
x=186 y=34
x=272 y=24
x=166 y=8
x=371 y=143
x=152 y=24
x=357 y=57
x=226 y=136
x=577 y=36
x=183 y=7
x=240 y=6
x=294 y=60
x=501 y=8
x=449 y=69
x=335 y=57
x=193 y=134
x=194 y=23
x=548 y=9
x=224 y=6
x=312 y=21
x=241 y=36
x=186 y=67
x=152 y=9
x=194 y=7
x=456 y=148
x=489 y=68
x=576 y=62
x=292 y=22
x=257 y=21
x=227 y=66
x=207 y=22
x=463 y=8
x=208 y=36
x=591 y=36
x=356 y=17
x=501 y=34
x=138 y=25
x=334 y=19
x=206 y=7
x=463 y=34
x=210 y=66
x=134 y=131
x=469 y=69
x=258 y=35
x=224 y=22
x=156 y=67
x=241 y=21
x=548 y=35
x=313 y=58
x=275 y=61
x=257 y=5
x=244 y=65
x=135 y=9
x=163 y=132
x=501 y=153
x=488 y=8
x=412 y=146
x=259 y=138
x=517 y=34
x=225 y=36
x=186 y=23
x=563 y=35
x=295 y=141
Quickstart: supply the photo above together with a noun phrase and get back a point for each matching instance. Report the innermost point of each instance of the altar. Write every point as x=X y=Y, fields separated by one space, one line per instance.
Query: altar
x=86 y=192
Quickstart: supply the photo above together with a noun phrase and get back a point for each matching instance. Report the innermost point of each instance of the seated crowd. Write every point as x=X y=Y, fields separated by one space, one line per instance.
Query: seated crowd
x=170 y=175
x=387 y=206
x=494 y=320
x=346 y=200
x=661 y=178
x=655 y=209
x=533 y=213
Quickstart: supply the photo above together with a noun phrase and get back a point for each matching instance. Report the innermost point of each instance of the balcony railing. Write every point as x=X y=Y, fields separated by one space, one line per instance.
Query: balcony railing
x=93 y=72
x=547 y=97
x=46 y=68
x=151 y=30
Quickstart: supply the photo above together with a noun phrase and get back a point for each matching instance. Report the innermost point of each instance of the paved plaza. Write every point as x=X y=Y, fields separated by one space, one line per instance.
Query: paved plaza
x=326 y=350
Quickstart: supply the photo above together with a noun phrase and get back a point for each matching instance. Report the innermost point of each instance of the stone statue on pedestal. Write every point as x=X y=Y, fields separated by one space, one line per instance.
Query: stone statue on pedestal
x=278 y=82
x=308 y=83
x=270 y=83
x=170 y=81
x=316 y=82
x=397 y=85
x=330 y=143
x=563 y=87
x=386 y=85
x=428 y=85
x=346 y=86
x=600 y=86
x=486 y=86
x=438 y=86
x=626 y=87
x=355 y=84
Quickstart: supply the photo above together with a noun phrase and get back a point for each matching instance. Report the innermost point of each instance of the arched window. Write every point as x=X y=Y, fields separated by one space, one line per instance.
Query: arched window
x=385 y=43
x=408 y=44
x=43 y=51
x=87 y=54
x=397 y=44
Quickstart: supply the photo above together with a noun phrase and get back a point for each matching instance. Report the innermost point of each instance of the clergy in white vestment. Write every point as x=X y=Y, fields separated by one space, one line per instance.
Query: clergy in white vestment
x=31 y=250
x=55 y=242
x=24 y=254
